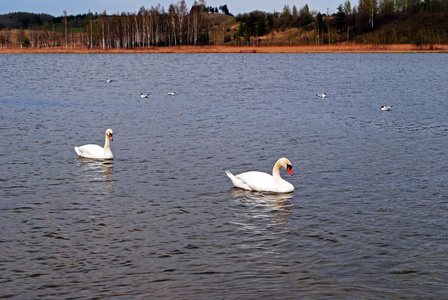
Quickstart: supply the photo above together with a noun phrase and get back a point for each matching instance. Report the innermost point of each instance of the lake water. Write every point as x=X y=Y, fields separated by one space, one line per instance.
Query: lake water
x=368 y=218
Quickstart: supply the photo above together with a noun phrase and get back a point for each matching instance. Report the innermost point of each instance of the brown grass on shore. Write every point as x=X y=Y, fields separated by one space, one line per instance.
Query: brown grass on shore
x=339 y=48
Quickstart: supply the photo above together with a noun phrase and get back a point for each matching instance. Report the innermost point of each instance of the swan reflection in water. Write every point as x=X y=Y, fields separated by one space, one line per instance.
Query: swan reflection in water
x=97 y=170
x=270 y=206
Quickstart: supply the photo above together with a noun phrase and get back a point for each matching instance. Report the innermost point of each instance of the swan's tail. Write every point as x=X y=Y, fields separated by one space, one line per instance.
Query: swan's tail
x=233 y=178
x=230 y=175
x=238 y=182
x=77 y=151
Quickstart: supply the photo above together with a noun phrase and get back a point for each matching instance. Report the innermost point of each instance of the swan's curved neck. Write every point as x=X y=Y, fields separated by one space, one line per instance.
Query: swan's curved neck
x=106 y=142
x=276 y=170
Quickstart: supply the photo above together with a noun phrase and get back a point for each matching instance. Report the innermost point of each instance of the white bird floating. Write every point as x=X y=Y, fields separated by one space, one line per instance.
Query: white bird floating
x=95 y=151
x=144 y=95
x=322 y=95
x=385 y=108
x=172 y=93
x=109 y=80
x=263 y=182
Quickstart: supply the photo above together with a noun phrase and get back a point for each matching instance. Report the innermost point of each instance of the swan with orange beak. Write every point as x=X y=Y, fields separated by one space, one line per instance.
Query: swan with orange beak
x=96 y=151
x=263 y=182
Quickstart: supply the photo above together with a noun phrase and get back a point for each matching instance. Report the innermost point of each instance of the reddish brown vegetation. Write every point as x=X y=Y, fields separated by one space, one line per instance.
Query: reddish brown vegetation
x=340 y=48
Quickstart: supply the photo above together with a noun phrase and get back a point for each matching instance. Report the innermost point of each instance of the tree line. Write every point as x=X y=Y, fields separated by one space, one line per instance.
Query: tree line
x=371 y=21
x=147 y=27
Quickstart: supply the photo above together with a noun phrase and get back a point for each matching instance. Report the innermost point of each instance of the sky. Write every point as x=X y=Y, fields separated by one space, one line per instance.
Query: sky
x=74 y=7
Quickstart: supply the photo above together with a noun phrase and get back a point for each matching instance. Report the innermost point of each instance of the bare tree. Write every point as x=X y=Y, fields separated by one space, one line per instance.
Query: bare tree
x=164 y=27
x=155 y=16
x=143 y=15
x=89 y=30
x=116 y=31
x=65 y=29
x=5 y=35
x=181 y=12
x=172 y=28
x=146 y=28
x=367 y=10
x=101 y=20
x=195 y=16
x=137 y=30
x=45 y=35
x=35 y=37
x=125 y=29
x=73 y=39
x=373 y=8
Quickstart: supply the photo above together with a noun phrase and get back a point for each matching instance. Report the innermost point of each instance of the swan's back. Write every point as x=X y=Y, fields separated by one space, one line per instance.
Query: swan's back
x=260 y=182
x=93 y=151
x=263 y=182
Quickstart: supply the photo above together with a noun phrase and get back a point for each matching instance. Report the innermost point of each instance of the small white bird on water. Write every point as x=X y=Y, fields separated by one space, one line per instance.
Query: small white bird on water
x=322 y=95
x=144 y=95
x=95 y=151
x=172 y=93
x=109 y=80
x=385 y=108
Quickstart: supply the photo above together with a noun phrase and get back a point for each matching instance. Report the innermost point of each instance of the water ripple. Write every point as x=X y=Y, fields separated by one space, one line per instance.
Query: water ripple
x=162 y=220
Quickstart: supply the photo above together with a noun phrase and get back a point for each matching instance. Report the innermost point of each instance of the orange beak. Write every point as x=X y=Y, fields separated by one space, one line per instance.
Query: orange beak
x=289 y=170
x=111 y=137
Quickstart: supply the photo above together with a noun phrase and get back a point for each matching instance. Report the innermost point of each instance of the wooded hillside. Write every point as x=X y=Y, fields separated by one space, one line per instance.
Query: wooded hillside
x=370 y=22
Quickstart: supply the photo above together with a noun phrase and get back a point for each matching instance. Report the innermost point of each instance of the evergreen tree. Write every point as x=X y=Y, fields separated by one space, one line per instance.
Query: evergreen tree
x=261 y=27
x=340 y=18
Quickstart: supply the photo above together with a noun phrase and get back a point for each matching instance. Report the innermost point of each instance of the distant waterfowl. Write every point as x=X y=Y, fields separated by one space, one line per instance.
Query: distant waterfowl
x=263 y=182
x=109 y=80
x=385 y=108
x=323 y=95
x=95 y=151
x=144 y=95
x=172 y=93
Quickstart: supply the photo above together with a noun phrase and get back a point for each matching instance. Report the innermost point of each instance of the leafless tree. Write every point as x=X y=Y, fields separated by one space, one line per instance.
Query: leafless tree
x=101 y=20
x=181 y=12
x=137 y=37
x=172 y=27
x=155 y=16
x=65 y=29
x=146 y=23
x=196 y=18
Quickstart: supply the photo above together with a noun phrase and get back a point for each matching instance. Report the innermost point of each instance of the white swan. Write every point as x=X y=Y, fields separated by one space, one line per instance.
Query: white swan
x=95 y=151
x=385 y=108
x=144 y=95
x=172 y=93
x=263 y=182
x=322 y=95
x=109 y=80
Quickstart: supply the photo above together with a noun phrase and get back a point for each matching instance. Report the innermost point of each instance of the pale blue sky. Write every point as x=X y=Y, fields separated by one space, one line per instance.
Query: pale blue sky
x=74 y=7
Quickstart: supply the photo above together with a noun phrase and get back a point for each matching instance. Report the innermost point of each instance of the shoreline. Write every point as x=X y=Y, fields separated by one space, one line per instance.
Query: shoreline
x=339 y=48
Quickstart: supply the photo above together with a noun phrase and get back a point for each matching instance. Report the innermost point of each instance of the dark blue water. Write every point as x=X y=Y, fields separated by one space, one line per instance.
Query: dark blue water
x=368 y=218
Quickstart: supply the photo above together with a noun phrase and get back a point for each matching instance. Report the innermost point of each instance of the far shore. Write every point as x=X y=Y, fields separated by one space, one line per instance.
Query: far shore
x=338 y=48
